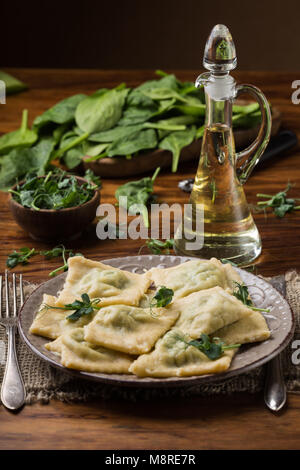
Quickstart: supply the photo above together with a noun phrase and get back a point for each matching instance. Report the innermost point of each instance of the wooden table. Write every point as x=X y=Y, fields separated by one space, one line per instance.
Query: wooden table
x=240 y=421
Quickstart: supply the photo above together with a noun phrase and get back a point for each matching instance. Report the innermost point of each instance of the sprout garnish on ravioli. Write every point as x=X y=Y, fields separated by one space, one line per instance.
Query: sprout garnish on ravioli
x=174 y=357
x=104 y=314
x=53 y=322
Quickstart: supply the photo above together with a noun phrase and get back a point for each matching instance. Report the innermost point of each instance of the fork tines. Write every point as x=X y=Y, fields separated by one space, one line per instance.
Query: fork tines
x=5 y=284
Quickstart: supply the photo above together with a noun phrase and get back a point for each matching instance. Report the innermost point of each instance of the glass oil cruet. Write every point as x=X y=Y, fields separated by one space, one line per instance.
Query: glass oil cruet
x=218 y=199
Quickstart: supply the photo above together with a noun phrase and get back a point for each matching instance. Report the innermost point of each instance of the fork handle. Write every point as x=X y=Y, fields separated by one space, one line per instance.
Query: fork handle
x=13 y=389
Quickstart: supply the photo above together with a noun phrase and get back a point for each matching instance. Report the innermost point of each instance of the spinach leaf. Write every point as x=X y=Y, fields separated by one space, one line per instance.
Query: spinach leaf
x=140 y=140
x=138 y=99
x=246 y=120
x=192 y=110
x=61 y=113
x=100 y=113
x=67 y=137
x=12 y=84
x=93 y=150
x=21 y=161
x=55 y=191
x=135 y=115
x=68 y=144
x=200 y=132
x=171 y=124
x=23 y=137
x=175 y=142
x=163 y=94
x=138 y=194
x=73 y=157
x=193 y=107
x=118 y=132
x=245 y=109
x=61 y=131
x=167 y=81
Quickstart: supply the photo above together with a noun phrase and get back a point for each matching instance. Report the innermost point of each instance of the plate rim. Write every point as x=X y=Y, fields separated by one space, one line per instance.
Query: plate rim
x=154 y=382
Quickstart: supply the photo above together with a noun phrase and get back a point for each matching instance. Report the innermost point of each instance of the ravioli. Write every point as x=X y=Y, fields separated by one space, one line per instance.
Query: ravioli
x=250 y=329
x=194 y=276
x=51 y=323
x=133 y=330
x=98 y=280
x=172 y=357
x=76 y=353
x=207 y=311
x=55 y=346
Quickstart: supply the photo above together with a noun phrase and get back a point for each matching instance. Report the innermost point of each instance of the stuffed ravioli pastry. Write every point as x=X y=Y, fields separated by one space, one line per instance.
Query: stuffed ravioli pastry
x=76 y=353
x=173 y=357
x=250 y=329
x=194 y=276
x=207 y=311
x=98 y=280
x=133 y=330
x=53 y=322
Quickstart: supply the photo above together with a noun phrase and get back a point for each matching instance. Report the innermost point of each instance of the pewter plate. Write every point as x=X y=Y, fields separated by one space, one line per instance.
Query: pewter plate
x=280 y=321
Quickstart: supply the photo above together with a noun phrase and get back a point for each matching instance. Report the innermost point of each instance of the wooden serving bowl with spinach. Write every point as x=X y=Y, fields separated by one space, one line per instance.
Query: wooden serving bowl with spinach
x=54 y=208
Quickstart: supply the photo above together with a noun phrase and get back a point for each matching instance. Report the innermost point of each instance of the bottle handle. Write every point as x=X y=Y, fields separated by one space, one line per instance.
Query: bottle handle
x=249 y=157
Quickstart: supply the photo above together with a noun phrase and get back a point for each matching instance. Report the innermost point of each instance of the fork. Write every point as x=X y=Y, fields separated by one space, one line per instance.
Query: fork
x=13 y=389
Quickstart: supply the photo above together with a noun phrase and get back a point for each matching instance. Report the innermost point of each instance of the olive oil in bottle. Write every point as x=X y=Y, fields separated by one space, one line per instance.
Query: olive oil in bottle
x=227 y=229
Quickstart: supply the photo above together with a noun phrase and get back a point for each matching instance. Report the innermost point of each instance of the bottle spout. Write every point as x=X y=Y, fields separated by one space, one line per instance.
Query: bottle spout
x=220 y=55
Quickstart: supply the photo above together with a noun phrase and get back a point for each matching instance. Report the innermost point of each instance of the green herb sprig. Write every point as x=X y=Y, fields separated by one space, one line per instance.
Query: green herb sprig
x=242 y=294
x=82 y=307
x=279 y=202
x=139 y=194
x=250 y=268
x=20 y=257
x=214 y=191
x=162 y=298
x=213 y=349
x=158 y=247
x=59 y=251
x=92 y=178
x=228 y=261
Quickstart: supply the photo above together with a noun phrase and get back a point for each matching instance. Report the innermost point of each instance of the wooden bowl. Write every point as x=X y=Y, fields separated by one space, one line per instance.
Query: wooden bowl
x=120 y=167
x=55 y=225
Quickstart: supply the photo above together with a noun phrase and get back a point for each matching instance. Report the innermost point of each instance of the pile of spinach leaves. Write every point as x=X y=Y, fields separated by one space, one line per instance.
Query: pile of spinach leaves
x=57 y=190
x=121 y=122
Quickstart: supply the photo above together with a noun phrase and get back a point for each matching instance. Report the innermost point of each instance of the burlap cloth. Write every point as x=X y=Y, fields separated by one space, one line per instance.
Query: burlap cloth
x=43 y=382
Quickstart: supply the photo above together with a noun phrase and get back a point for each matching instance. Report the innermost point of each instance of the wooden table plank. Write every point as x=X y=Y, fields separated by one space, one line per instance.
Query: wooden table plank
x=231 y=422
x=214 y=422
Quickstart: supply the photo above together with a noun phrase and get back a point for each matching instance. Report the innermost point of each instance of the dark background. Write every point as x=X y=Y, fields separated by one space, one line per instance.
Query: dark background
x=147 y=34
